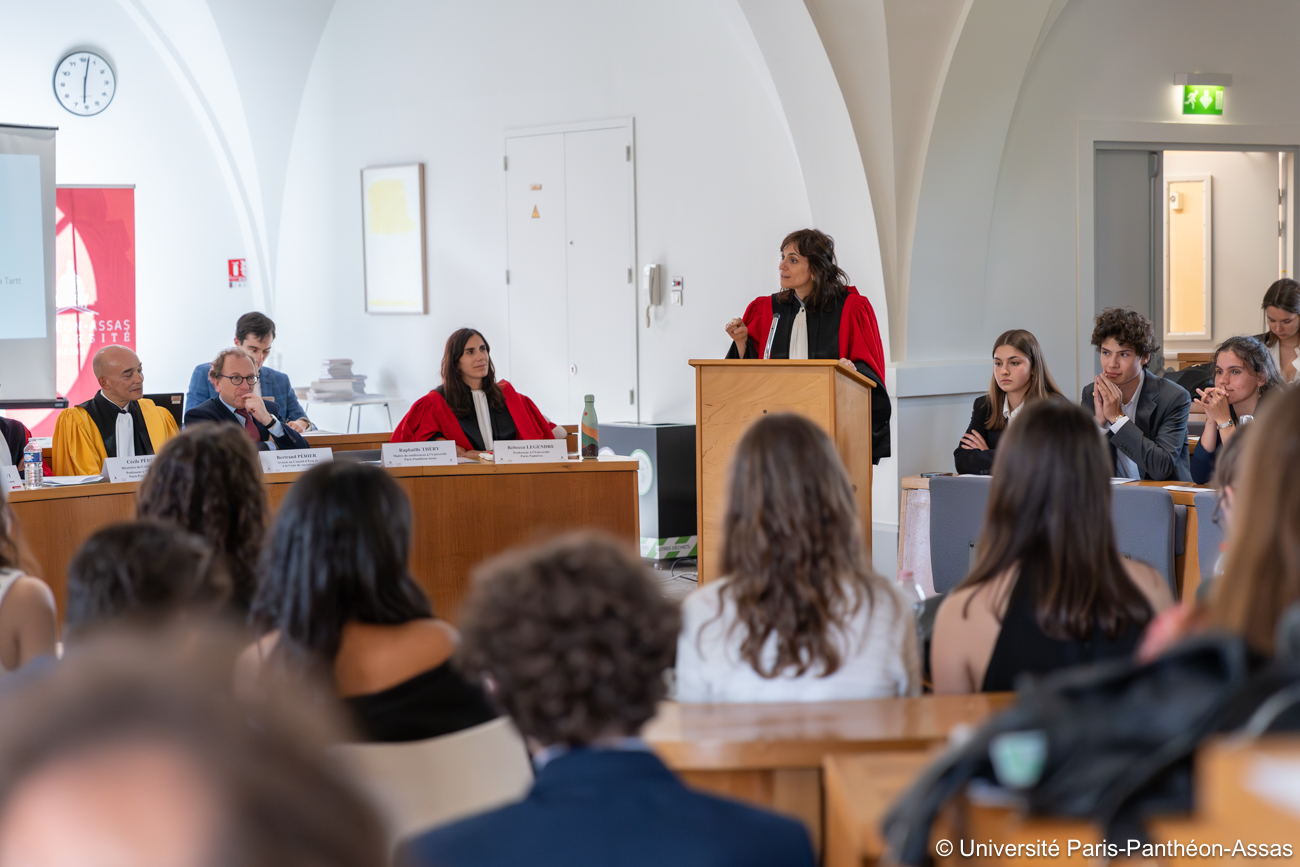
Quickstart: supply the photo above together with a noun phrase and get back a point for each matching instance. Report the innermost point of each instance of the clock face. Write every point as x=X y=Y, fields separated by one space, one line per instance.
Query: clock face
x=84 y=83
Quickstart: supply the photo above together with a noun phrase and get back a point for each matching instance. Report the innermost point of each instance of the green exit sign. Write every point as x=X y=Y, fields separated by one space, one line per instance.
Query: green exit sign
x=1202 y=99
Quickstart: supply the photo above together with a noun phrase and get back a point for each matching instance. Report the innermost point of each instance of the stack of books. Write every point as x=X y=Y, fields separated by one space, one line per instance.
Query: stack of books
x=338 y=382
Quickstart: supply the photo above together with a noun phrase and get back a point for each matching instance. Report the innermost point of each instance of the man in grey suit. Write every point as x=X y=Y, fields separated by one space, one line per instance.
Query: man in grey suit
x=1142 y=416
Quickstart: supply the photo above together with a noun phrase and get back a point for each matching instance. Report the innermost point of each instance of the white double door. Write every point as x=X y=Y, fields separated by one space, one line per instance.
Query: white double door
x=571 y=263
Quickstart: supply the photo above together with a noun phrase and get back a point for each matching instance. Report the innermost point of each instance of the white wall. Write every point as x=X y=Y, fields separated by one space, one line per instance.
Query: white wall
x=1244 y=236
x=718 y=183
x=186 y=228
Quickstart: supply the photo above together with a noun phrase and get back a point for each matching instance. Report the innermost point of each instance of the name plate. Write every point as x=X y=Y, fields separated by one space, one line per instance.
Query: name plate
x=439 y=453
x=127 y=469
x=529 y=451
x=294 y=460
x=11 y=480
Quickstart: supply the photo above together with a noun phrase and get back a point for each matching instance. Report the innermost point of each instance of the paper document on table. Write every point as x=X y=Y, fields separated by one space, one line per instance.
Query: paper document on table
x=1120 y=480
x=1189 y=489
x=64 y=481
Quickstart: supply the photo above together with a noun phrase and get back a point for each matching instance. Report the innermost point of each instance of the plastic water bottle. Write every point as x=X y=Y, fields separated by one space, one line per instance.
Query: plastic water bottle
x=35 y=473
x=589 y=429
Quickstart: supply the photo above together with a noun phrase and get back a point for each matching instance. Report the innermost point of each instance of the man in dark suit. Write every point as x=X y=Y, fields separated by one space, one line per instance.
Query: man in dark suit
x=1143 y=417
x=575 y=639
x=254 y=333
x=233 y=376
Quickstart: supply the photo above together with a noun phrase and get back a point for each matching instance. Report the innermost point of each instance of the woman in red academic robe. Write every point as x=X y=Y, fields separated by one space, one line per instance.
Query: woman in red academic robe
x=471 y=406
x=817 y=315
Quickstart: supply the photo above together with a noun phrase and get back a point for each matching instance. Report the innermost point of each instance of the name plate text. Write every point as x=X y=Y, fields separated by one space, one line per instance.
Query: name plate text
x=127 y=469
x=438 y=453
x=11 y=479
x=294 y=460
x=529 y=451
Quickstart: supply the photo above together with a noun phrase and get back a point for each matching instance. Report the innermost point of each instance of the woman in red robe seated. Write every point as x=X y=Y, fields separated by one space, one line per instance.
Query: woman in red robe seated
x=471 y=406
x=817 y=315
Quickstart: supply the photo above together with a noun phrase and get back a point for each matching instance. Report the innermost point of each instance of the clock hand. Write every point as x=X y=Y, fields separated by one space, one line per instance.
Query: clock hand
x=84 y=78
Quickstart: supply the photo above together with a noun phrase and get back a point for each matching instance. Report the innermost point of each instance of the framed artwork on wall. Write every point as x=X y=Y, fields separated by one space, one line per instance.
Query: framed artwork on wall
x=392 y=219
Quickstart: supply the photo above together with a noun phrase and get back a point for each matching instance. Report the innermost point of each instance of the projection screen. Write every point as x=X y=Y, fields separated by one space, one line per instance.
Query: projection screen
x=27 y=311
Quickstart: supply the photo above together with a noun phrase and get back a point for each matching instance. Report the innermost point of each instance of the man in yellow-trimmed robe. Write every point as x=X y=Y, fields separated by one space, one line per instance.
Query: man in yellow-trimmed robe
x=116 y=423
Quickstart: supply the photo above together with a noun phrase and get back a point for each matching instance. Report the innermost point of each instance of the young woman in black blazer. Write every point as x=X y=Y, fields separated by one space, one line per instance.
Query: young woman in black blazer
x=1019 y=375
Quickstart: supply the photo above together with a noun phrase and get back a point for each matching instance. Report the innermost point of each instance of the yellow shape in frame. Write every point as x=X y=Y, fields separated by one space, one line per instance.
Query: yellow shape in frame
x=389 y=214
x=535 y=214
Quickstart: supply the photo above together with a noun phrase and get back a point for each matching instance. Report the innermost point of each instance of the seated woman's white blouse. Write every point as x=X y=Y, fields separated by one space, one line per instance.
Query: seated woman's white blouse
x=879 y=656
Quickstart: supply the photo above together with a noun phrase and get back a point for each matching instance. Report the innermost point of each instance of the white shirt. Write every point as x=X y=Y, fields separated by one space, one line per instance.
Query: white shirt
x=1124 y=465
x=879 y=656
x=484 y=417
x=1009 y=414
x=124 y=434
x=799 y=332
x=1276 y=351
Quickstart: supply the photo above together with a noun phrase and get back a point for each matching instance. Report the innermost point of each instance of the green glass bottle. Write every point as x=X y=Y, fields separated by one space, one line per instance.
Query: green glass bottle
x=589 y=429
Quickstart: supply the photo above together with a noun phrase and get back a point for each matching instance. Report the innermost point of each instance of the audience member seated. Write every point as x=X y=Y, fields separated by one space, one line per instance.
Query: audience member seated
x=471 y=406
x=799 y=616
x=1143 y=417
x=1243 y=374
x=1282 y=310
x=207 y=481
x=134 y=752
x=337 y=596
x=1050 y=589
x=233 y=376
x=574 y=639
x=1019 y=374
x=13 y=439
x=118 y=422
x=142 y=574
x=254 y=333
x=29 y=626
x=1261 y=573
x=817 y=314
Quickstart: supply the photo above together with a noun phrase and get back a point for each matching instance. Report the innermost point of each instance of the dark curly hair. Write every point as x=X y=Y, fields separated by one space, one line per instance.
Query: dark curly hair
x=142 y=572
x=575 y=637
x=207 y=480
x=1128 y=327
x=828 y=279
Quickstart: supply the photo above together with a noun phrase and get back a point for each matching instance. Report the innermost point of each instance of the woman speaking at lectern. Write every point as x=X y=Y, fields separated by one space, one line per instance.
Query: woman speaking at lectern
x=471 y=406
x=817 y=315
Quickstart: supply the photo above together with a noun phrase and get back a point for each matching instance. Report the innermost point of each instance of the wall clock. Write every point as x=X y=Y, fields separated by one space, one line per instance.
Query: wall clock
x=84 y=83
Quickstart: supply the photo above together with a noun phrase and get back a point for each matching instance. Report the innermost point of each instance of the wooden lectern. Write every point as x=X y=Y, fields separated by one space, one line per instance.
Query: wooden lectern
x=730 y=395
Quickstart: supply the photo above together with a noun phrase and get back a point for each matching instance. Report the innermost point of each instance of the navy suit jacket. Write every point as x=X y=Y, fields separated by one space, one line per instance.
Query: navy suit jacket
x=275 y=386
x=613 y=807
x=215 y=410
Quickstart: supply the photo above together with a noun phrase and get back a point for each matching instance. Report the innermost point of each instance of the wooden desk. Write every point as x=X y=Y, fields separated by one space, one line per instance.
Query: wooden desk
x=771 y=754
x=377 y=440
x=1188 y=359
x=463 y=514
x=860 y=789
x=914 y=535
x=1229 y=807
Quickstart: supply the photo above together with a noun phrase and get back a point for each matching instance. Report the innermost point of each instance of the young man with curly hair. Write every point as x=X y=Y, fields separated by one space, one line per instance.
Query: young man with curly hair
x=572 y=640
x=1143 y=417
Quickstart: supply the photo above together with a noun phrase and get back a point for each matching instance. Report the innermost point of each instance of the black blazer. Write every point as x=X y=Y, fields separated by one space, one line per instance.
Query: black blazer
x=1156 y=440
x=973 y=461
x=215 y=410
x=597 y=807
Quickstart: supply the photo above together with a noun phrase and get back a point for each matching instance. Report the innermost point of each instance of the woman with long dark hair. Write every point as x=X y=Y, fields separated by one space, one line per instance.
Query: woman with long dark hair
x=471 y=406
x=1019 y=375
x=817 y=314
x=29 y=625
x=338 y=598
x=207 y=480
x=1281 y=308
x=1243 y=374
x=799 y=616
x=1050 y=589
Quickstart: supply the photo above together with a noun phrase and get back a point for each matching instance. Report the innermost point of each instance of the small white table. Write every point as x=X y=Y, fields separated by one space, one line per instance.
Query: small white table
x=356 y=403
